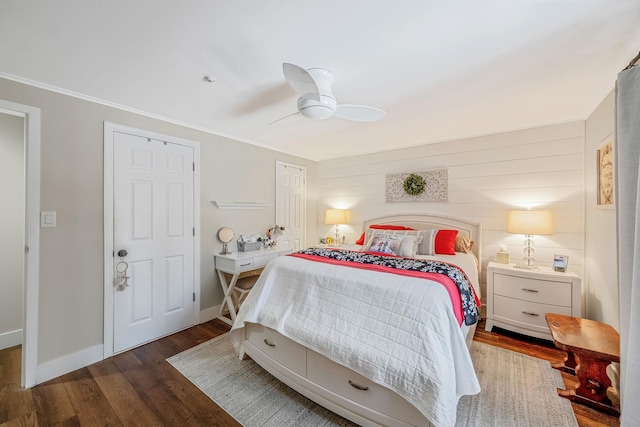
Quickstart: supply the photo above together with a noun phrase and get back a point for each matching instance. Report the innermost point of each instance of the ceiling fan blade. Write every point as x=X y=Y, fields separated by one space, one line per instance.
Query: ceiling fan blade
x=359 y=113
x=299 y=79
x=289 y=118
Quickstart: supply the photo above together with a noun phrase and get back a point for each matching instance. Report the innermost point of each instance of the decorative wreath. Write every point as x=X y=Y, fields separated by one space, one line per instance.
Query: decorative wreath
x=414 y=185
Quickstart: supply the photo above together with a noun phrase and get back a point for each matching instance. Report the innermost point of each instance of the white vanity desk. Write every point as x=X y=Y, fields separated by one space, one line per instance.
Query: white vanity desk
x=236 y=263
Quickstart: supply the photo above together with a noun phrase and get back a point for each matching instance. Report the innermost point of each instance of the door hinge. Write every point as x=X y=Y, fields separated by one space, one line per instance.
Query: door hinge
x=194 y=166
x=194 y=297
x=194 y=232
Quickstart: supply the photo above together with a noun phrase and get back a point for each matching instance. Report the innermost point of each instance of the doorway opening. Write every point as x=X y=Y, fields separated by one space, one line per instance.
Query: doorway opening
x=21 y=152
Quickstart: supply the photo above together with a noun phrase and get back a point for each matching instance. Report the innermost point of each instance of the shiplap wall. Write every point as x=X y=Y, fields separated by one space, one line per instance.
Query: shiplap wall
x=488 y=175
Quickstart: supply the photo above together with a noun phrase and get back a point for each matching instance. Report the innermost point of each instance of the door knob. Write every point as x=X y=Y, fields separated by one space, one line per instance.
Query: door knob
x=122 y=253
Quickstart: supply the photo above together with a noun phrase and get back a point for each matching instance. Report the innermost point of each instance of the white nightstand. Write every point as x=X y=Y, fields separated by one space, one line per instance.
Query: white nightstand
x=236 y=263
x=518 y=299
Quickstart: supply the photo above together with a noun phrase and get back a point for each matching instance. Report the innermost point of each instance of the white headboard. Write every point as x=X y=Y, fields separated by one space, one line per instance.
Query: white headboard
x=425 y=221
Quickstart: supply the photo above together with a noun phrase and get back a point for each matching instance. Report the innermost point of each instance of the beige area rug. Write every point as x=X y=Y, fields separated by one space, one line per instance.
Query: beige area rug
x=517 y=390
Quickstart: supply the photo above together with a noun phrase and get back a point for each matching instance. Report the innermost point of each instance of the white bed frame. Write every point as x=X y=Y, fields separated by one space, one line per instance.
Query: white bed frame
x=322 y=380
x=471 y=230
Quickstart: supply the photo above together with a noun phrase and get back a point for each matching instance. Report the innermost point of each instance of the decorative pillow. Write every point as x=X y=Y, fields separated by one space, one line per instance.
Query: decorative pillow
x=431 y=242
x=384 y=243
x=445 y=242
x=463 y=244
x=362 y=239
x=425 y=244
x=428 y=243
x=409 y=246
x=409 y=243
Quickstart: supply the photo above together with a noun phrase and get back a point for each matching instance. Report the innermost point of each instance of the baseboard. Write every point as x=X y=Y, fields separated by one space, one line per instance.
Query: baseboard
x=10 y=339
x=88 y=356
x=209 y=313
x=68 y=363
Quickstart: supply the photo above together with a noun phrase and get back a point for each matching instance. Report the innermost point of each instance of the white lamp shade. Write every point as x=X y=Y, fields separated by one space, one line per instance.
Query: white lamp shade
x=530 y=222
x=335 y=216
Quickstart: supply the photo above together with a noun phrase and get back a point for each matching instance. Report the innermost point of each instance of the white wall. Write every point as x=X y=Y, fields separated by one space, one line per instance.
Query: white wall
x=71 y=255
x=601 y=278
x=488 y=175
x=12 y=216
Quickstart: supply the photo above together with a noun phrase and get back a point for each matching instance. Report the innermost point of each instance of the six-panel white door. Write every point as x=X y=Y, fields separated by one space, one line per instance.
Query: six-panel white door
x=154 y=223
x=290 y=204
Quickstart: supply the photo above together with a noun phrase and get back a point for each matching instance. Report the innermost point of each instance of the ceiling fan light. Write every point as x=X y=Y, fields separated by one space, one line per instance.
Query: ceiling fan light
x=318 y=112
x=313 y=108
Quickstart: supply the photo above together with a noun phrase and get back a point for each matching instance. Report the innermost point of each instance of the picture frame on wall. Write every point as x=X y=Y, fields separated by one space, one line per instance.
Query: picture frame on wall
x=604 y=164
x=560 y=262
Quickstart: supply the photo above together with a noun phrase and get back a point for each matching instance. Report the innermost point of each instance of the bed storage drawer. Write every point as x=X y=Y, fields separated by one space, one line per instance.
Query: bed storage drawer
x=348 y=384
x=278 y=347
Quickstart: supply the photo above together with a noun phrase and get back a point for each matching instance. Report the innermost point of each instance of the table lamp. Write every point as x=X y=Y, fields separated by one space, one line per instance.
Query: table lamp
x=337 y=217
x=529 y=223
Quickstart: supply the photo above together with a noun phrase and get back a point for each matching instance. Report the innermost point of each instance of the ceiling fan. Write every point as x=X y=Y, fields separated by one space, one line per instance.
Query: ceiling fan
x=316 y=100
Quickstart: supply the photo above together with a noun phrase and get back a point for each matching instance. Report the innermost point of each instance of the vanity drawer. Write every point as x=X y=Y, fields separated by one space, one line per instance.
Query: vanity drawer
x=534 y=290
x=280 y=348
x=263 y=260
x=348 y=384
x=235 y=265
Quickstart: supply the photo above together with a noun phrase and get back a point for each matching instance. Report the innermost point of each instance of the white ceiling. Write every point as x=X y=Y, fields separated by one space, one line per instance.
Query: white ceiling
x=441 y=69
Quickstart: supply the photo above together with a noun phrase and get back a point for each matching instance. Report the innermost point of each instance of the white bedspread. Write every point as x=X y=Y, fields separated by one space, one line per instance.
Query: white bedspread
x=397 y=331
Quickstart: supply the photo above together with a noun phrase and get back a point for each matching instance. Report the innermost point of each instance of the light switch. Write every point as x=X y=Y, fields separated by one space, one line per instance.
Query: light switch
x=47 y=219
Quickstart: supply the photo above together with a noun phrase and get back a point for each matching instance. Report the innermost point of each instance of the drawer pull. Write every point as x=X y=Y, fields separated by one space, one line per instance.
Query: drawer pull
x=528 y=313
x=269 y=343
x=244 y=265
x=358 y=386
x=530 y=290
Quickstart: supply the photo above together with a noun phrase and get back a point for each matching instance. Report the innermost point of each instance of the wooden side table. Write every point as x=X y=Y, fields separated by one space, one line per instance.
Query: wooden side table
x=591 y=346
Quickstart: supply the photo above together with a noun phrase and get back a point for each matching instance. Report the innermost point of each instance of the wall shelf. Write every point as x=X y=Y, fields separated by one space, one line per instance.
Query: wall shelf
x=241 y=205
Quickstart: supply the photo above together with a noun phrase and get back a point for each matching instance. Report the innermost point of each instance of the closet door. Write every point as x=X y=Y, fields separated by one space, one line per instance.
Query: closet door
x=291 y=203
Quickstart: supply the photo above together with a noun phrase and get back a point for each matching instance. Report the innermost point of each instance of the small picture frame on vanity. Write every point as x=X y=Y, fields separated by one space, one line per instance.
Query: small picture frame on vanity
x=560 y=262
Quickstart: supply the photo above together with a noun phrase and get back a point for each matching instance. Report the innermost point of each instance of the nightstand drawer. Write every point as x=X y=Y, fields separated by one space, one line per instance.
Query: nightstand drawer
x=525 y=313
x=539 y=291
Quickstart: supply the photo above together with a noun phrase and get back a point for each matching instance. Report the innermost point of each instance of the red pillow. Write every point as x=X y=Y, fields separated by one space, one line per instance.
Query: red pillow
x=360 y=241
x=445 y=242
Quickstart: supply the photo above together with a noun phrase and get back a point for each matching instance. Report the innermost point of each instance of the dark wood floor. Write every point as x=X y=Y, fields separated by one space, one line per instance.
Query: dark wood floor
x=139 y=388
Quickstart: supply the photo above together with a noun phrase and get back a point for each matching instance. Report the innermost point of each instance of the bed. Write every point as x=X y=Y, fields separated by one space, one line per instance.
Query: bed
x=376 y=346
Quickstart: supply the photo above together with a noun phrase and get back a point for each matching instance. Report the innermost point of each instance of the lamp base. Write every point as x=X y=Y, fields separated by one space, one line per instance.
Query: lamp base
x=528 y=260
